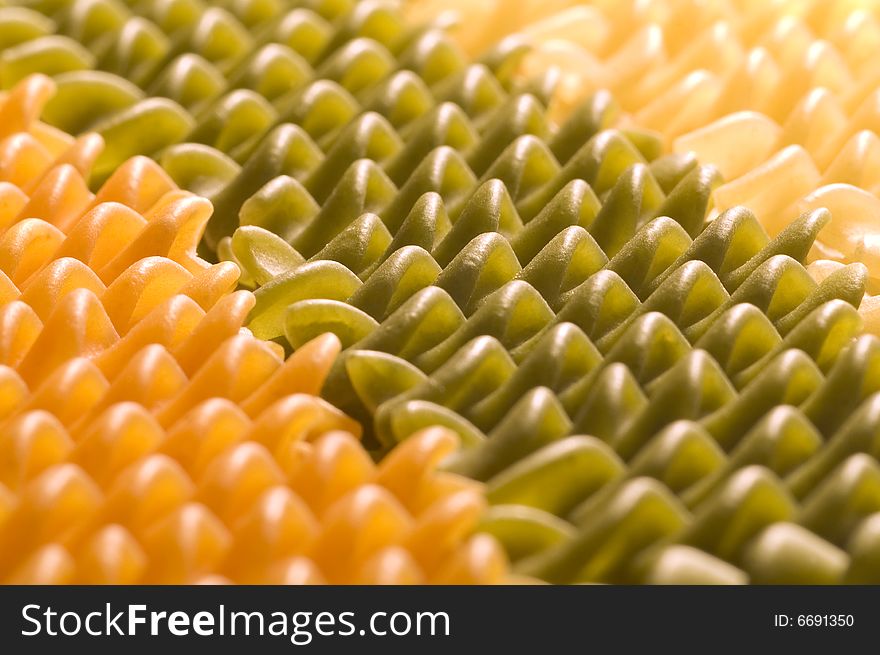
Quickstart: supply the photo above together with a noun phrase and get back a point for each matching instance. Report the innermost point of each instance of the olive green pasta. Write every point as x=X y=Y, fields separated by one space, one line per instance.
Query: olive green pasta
x=707 y=471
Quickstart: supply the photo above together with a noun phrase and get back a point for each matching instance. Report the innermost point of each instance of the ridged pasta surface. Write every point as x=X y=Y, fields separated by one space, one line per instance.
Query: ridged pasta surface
x=656 y=369
x=781 y=97
x=228 y=80
x=148 y=437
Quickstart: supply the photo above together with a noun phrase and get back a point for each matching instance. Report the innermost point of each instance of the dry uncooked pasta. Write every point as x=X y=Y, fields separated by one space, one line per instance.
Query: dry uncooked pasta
x=149 y=438
x=781 y=97
x=648 y=382
x=215 y=84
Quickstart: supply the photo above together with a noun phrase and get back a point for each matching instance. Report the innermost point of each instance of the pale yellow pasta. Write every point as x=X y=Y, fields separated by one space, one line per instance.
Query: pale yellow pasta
x=783 y=97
